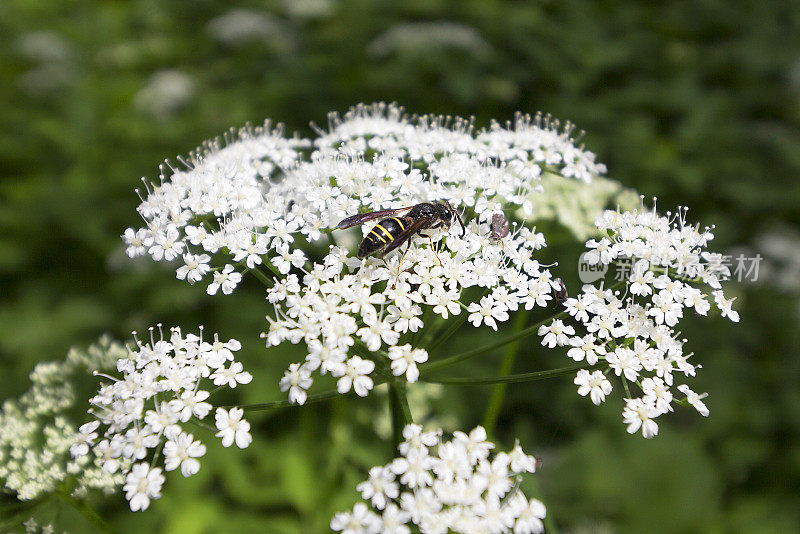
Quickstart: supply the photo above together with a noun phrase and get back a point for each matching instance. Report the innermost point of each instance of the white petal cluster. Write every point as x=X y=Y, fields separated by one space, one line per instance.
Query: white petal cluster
x=633 y=331
x=142 y=412
x=446 y=486
x=528 y=145
x=216 y=201
x=346 y=305
x=264 y=202
x=36 y=432
x=259 y=198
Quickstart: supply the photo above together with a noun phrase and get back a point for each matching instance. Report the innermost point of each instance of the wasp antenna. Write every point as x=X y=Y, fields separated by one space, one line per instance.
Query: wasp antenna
x=463 y=228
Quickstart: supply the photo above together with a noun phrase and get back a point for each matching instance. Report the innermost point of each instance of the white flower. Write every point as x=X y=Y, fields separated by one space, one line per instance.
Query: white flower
x=167 y=244
x=232 y=427
x=488 y=312
x=475 y=444
x=354 y=374
x=556 y=333
x=142 y=484
x=377 y=331
x=694 y=399
x=138 y=241
x=393 y=520
x=725 y=306
x=405 y=360
x=360 y=521
x=191 y=403
x=530 y=516
x=657 y=393
x=296 y=380
x=83 y=439
x=521 y=462
x=585 y=348
x=231 y=376
x=595 y=385
x=227 y=279
x=641 y=278
x=196 y=266
x=380 y=487
x=638 y=415
x=600 y=252
x=182 y=451
x=624 y=362
x=264 y=199
x=414 y=468
x=415 y=438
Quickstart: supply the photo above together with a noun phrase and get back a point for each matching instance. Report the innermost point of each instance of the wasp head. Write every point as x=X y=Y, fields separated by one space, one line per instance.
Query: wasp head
x=448 y=214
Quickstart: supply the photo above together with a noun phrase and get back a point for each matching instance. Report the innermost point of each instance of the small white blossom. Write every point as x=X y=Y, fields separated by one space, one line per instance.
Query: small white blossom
x=296 y=380
x=226 y=279
x=232 y=428
x=142 y=484
x=354 y=374
x=639 y=415
x=182 y=451
x=595 y=385
x=405 y=360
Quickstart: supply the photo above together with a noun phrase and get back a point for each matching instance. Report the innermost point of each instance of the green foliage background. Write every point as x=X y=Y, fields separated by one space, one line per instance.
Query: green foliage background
x=695 y=102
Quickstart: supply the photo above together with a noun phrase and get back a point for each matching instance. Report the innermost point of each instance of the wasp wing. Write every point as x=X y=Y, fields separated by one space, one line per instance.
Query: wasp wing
x=361 y=218
x=405 y=235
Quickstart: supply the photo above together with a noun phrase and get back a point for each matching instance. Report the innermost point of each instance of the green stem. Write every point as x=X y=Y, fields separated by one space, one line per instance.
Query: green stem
x=260 y=406
x=319 y=397
x=401 y=412
x=263 y=278
x=520 y=377
x=88 y=512
x=525 y=332
x=499 y=390
x=450 y=330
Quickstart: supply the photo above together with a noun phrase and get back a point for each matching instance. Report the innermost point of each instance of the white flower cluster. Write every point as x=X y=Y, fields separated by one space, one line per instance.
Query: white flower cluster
x=446 y=486
x=36 y=431
x=250 y=202
x=633 y=331
x=144 y=409
x=346 y=305
x=216 y=203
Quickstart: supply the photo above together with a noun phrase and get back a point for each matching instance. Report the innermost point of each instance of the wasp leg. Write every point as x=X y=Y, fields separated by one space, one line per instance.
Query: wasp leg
x=400 y=265
x=434 y=252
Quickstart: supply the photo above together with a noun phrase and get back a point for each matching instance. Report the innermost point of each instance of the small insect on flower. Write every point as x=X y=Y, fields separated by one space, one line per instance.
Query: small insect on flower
x=393 y=231
x=499 y=228
x=561 y=292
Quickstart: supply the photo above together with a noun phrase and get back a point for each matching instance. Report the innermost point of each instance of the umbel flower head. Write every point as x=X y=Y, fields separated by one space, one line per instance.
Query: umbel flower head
x=36 y=431
x=266 y=202
x=446 y=486
x=665 y=269
x=140 y=416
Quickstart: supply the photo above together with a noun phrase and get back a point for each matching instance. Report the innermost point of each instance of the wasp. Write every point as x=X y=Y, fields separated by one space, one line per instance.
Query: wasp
x=395 y=229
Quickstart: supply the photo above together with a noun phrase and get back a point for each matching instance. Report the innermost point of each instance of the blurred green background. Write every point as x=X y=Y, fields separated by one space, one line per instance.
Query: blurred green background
x=695 y=102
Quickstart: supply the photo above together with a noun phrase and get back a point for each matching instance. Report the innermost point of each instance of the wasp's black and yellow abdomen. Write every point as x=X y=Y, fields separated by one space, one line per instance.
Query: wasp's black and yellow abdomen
x=381 y=235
